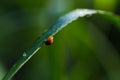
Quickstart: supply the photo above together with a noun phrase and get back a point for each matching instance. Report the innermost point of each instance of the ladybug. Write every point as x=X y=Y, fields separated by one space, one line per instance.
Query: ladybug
x=49 y=41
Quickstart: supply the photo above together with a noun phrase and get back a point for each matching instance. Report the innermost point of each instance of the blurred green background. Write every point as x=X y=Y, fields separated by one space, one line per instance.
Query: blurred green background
x=89 y=49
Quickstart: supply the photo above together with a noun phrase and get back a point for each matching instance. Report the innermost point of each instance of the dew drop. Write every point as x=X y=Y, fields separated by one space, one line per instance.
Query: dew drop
x=24 y=54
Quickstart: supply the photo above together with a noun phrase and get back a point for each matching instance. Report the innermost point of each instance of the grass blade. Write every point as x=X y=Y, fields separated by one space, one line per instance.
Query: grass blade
x=60 y=23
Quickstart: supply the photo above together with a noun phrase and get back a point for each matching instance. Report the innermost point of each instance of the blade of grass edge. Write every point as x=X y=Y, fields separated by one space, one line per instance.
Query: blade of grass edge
x=60 y=23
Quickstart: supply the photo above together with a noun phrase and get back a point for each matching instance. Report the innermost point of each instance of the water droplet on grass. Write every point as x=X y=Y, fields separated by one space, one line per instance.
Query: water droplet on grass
x=24 y=54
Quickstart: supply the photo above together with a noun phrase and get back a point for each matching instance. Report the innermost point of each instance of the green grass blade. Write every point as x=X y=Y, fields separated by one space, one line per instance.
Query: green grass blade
x=61 y=23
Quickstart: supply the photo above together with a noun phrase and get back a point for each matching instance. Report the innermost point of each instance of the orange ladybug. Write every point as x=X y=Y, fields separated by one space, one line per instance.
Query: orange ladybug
x=49 y=41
